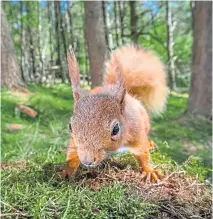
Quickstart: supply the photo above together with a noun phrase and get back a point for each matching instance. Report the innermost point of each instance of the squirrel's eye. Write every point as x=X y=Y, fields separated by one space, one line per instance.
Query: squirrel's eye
x=70 y=127
x=116 y=129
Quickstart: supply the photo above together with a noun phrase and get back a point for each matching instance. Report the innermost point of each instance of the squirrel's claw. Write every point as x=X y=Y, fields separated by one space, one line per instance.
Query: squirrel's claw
x=152 y=176
x=67 y=173
x=152 y=145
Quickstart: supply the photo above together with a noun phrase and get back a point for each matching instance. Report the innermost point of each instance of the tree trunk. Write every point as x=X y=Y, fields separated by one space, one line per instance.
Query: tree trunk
x=109 y=26
x=170 y=45
x=50 y=31
x=133 y=21
x=70 y=24
x=21 y=41
x=67 y=25
x=121 y=16
x=62 y=31
x=96 y=44
x=41 y=63
x=57 y=30
x=105 y=24
x=200 y=98
x=31 y=46
x=50 y=19
x=10 y=71
x=116 y=23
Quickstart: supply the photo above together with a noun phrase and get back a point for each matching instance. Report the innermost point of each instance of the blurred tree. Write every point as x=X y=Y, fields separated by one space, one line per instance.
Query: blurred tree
x=57 y=30
x=116 y=22
x=108 y=22
x=170 y=45
x=95 y=38
x=49 y=5
x=133 y=21
x=41 y=63
x=21 y=39
x=70 y=23
x=121 y=9
x=10 y=71
x=62 y=30
x=105 y=23
x=31 y=42
x=200 y=99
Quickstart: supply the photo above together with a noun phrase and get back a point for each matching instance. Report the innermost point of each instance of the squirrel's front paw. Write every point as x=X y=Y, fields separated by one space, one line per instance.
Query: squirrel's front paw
x=152 y=146
x=151 y=175
x=67 y=172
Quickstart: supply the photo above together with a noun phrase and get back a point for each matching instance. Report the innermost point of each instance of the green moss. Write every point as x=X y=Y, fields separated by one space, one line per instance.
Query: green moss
x=42 y=195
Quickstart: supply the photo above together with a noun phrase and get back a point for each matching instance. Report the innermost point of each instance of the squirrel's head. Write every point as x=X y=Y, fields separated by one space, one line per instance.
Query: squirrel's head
x=97 y=124
x=97 y=127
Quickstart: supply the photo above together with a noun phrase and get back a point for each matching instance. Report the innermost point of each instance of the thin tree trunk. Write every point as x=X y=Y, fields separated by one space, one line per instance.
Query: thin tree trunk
x=109 y=26
x=41 y=64
x=52 y=73
x=170 y=44
x=26 y=57
x=21 y=41
x=121 y=16
x=63 y=37
x=200 y=98
x=57 y=30
x=10 y=72
x=62 y=32
x=50 y=31
x=96 y=44
x=32 y=53
x=133 y=21
x=71 y=26
x=67 y=25
x=31 y=46
x=116 y=23
x=105 y=23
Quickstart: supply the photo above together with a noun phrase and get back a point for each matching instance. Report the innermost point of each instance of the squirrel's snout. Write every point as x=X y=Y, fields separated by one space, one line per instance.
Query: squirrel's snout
x=91 y=158
x=89 y=162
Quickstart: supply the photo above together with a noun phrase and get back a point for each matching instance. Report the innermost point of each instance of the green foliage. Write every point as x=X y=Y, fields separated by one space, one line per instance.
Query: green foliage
x=151 y=31
x=194 y=166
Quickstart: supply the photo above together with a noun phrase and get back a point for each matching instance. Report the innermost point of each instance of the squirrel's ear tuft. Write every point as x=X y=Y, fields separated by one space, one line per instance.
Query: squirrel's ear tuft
x=120 y=96
x=120 y=89
x=120 y=92
x=74 y=74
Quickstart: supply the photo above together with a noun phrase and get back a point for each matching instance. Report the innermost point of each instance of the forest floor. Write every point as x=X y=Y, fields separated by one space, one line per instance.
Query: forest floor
x=31 y=159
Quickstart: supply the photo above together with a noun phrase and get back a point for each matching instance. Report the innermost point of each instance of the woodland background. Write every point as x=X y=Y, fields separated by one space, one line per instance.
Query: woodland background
x=37 y=104
x=43 y=31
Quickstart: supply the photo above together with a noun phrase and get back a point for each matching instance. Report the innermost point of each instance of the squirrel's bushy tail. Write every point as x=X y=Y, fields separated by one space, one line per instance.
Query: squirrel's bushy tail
x=144 y=76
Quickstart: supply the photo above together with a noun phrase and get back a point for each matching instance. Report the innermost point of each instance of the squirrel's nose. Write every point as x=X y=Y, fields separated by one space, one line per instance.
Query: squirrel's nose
x=89 y=162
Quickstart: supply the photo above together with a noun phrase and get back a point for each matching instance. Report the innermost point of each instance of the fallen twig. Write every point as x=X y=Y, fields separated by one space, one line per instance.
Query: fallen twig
x=27 y=110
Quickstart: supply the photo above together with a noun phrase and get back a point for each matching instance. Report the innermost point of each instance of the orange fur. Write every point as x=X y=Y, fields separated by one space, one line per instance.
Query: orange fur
x=134 y=83
x=143 y=74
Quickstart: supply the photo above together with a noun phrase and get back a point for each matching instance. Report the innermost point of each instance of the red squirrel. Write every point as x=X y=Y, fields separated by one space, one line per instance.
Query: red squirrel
x=116 y=114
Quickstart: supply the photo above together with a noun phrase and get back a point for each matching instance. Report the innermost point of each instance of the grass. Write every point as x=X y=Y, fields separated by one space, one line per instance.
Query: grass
x=32 y=188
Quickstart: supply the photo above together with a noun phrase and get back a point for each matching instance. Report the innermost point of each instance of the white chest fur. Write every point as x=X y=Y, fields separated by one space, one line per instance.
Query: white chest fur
x=122 y=149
